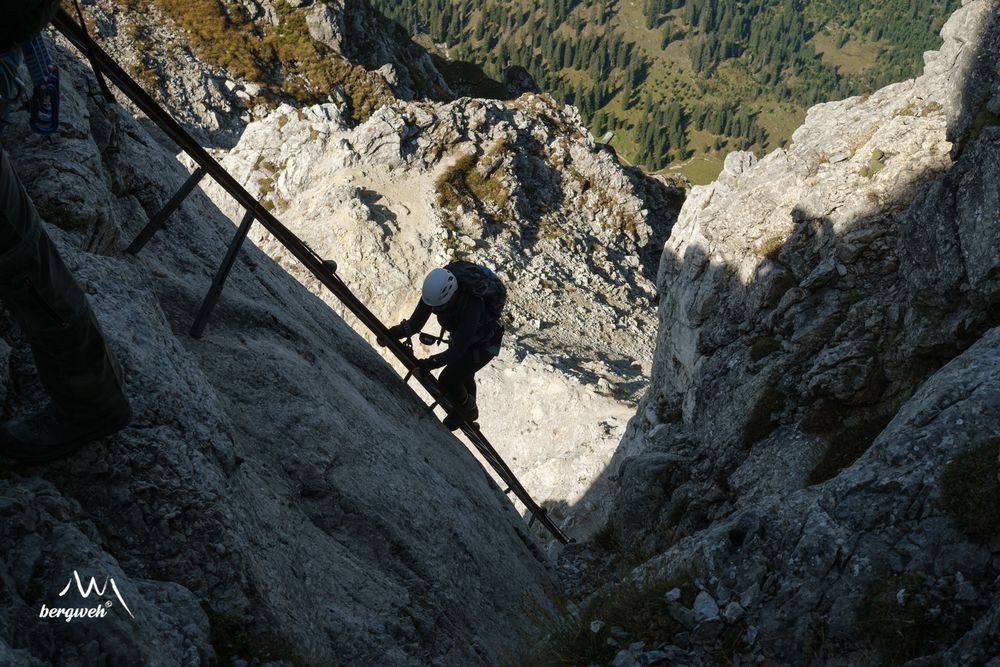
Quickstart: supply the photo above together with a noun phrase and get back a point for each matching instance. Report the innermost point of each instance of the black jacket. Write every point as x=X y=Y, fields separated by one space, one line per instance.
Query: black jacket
x=466 y=320
x=22 y=19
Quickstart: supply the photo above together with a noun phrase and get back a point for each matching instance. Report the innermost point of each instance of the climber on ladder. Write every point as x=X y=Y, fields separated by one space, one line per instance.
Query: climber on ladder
x=468 y=300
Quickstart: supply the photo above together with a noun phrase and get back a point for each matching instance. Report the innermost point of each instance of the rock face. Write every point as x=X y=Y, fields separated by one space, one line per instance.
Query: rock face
x=201 y=97
x=519 y=186
x=826 y=349
x=280 y=494
x=371 y=40
x=214 y=102
x=213 y=98
x=326 y=25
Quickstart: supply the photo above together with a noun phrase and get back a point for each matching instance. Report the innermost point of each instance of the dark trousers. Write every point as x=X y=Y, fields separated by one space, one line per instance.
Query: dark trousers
x=73 y=361
x=458 y=379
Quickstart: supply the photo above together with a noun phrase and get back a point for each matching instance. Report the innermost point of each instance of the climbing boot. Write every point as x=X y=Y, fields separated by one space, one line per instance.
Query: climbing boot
x=470 y=408
x=467 y=411
x=46 y=436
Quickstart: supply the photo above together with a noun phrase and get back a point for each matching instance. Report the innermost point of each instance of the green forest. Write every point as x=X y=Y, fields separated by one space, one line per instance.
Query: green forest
x=680 y=82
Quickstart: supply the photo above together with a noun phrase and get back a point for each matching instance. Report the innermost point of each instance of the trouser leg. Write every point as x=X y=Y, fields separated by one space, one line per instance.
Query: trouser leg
x=73 y=361
x=458 y=379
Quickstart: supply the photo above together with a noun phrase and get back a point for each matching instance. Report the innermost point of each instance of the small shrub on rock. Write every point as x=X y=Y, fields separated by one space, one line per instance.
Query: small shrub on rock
x=764 y=346
x=235 y=641
x=875 y=164
x=847 y=442
x=894 y=617
x=906 y=616
x=637 y=609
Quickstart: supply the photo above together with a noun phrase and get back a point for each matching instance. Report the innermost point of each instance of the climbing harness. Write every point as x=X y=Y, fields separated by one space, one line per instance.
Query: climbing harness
x=321 y=268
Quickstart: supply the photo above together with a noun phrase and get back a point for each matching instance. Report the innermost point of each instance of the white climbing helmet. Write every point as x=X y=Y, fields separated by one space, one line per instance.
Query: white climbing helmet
x=439 y=286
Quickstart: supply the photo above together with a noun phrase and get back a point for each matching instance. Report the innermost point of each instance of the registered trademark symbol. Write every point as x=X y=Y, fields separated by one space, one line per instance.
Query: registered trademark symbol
x=107 y=603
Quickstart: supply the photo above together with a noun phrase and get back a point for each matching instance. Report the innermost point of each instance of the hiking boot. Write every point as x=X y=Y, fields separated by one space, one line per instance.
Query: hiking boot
x=46 y=436
x=469 y=408
x=468 y=411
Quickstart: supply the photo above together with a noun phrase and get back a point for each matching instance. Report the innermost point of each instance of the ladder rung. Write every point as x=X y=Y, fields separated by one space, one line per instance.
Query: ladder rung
x=220 y=276
x=158 y=221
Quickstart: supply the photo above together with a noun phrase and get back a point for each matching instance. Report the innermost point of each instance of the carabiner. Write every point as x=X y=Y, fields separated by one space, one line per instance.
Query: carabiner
x=45 y=104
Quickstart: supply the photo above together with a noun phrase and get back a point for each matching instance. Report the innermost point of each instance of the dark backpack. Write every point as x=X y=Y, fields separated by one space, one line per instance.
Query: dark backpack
x=482 y=282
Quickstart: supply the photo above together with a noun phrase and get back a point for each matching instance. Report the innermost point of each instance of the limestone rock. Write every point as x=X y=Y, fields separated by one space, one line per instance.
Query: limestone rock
x=326 y=24
x=48 y=540
x=215 y=104
x=151 y=49
x=705 y=607
x=818 y=552
x=733 y=612
x=826 y=348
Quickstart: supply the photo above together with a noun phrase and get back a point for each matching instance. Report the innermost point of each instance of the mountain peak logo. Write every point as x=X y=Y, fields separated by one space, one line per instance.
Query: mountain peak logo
x=85 y=591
